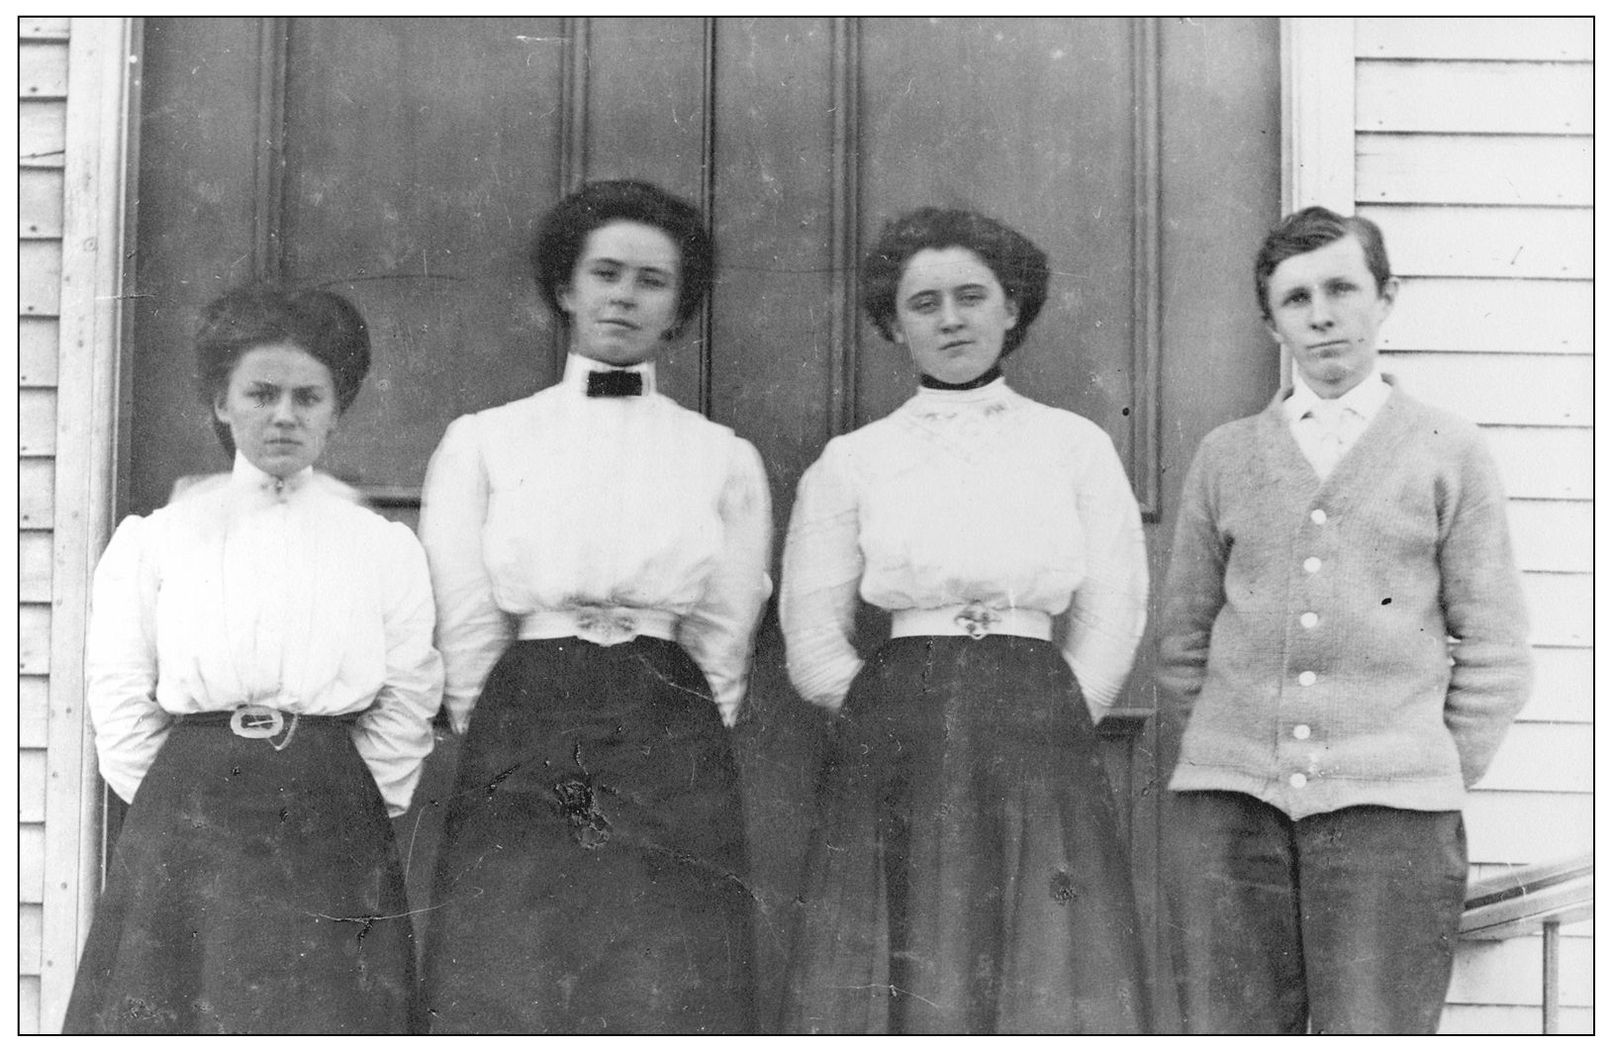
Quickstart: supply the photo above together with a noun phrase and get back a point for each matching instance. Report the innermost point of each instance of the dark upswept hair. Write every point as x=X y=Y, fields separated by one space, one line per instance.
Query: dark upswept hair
x=564 y=232
x=1309 y=229
x=1020 y=266
x=323 y=324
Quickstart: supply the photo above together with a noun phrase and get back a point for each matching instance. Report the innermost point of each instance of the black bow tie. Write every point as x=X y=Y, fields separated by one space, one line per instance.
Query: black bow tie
x=615 y=383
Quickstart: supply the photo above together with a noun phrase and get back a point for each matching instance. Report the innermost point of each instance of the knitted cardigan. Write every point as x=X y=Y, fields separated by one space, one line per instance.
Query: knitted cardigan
x=1359 y=640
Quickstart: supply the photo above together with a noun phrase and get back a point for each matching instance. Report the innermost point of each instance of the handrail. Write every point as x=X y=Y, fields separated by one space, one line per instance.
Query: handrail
x=1545 y=896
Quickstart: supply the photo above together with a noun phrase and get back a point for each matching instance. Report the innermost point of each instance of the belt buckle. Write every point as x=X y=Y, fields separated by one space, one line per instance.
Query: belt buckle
x=976 y=619
x=257 y=722
x=604 y=627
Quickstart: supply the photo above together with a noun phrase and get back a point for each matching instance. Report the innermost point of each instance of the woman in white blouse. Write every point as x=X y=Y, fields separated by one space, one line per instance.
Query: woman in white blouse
x=261 y=680
x=599 y=556
x=966 y=875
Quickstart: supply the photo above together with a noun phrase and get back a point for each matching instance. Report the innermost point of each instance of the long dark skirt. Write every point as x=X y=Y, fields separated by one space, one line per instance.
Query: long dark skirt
x=592 y=870
x=966 y=875
x=251 y=891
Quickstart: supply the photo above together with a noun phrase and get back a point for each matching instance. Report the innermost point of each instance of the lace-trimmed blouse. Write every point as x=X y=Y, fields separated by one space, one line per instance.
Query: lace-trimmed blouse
x=960 y=496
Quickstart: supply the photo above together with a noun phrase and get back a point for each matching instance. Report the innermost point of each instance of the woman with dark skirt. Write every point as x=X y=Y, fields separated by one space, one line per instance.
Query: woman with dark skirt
x=261 y=680
x=599 y=556
x=966 y=875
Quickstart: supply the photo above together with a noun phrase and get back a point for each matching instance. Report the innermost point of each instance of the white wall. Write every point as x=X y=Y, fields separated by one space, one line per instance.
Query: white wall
x=1473 y=151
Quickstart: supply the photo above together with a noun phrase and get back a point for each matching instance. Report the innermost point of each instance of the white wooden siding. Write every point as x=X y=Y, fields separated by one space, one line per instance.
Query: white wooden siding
x=1473 y=152
x=42 y=87
x=72 y=160
x=1491 y=316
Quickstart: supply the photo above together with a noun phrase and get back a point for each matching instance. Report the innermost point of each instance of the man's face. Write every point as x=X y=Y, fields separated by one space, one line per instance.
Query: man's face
x=1327 y=310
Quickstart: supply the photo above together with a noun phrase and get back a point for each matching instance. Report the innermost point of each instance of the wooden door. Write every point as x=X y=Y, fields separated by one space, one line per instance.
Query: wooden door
x=404 y=162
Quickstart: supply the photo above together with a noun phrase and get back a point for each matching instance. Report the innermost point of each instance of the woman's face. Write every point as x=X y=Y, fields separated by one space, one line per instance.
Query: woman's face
x=952 y=314
x=623 y=294
x=280 y=405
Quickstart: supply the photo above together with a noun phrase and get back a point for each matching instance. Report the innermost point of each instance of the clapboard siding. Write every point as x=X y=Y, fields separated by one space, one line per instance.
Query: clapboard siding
x=1529 y=98
x=1500 y=389
x=39 y=277
x=1539 y=39
x=33 y=566
x=1494 y=1019
x=1551 y=536
x=39 y=203
x=36 y=351
x=41 y=70
x=32 y=28
x=28 y=1004
x=36 y=422
x=1519 y=764
x=1473 y=152
x=1478 y=977
x=41 y=134
x=1474 y=169
x=33 y=714
x=30 y=863
x=1488 y=316
x=1563 y=690
x=1512 y=242
x=33 y=638
x=1560 y=609
x=30 y=933
x=42 y=78
x=1543 y=463
x=31 y=785
x=36 y=488
x=1527 y=826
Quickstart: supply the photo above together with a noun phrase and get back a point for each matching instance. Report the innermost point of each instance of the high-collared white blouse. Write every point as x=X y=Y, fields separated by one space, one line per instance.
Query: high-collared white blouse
x=245 y=590
x=563 y=501
x=961 y=496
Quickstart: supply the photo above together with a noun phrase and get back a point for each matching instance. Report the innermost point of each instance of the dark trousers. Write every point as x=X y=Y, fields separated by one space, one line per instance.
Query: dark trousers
x=1344 y=922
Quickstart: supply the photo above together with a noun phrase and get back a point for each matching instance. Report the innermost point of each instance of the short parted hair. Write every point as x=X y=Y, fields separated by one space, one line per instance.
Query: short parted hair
x=1309 y=229
x=1020 y=266
x=563 y=235
x=322 y=324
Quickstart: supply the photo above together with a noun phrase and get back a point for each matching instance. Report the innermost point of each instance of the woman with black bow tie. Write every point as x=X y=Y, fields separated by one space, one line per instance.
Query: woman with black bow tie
x=599 y=556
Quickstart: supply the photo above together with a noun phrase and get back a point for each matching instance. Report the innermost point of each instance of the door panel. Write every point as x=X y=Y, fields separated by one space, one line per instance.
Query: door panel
x=415 y=192
x=405 y=162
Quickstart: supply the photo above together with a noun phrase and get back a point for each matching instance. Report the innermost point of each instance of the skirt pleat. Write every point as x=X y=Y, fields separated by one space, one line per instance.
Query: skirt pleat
x=966 y=874
x=251 y=891
x=592 y=876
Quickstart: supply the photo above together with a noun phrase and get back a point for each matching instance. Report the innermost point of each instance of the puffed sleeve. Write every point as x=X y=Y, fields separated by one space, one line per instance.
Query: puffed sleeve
x=395 y=735
x=472 y=632
x=1108 y=612
x=120 y=660
x=818 y=589
x=719 y=631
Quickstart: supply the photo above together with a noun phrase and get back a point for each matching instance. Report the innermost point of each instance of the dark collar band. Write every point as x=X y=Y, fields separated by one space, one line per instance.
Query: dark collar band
x=992 y=374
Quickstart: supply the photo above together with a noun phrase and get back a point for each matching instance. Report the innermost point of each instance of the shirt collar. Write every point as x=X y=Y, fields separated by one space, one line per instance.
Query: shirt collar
x=249 y=477
x=1364 y=399
x=575 y=377
x=994 y=390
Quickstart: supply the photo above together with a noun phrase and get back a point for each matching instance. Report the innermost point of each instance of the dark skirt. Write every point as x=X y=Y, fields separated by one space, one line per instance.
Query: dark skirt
x=592 y=872
x=966 y=875
x=251 y=891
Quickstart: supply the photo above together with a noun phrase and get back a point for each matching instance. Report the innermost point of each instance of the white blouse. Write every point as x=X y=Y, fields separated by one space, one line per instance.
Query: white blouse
x=247 y=590
x=960 y=496
x=563 y=501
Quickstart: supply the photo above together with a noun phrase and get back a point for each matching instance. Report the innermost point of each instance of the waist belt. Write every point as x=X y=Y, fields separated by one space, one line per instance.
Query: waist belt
x=265 y=722
x=599 y=625
x=974 y=619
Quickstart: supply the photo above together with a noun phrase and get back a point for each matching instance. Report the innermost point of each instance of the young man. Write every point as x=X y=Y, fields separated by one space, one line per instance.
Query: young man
x=1345 y=633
